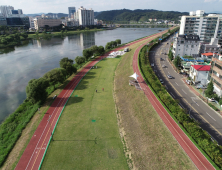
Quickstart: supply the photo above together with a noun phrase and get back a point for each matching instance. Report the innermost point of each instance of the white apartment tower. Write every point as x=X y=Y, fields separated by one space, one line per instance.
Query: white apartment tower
x=206 y=26
x=84 y=16
x=6 y=10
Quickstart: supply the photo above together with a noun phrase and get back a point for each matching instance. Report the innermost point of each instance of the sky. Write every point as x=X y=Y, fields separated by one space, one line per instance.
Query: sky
x=61 y=6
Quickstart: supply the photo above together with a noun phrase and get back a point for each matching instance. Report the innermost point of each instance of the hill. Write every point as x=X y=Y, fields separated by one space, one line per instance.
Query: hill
x=139 y=15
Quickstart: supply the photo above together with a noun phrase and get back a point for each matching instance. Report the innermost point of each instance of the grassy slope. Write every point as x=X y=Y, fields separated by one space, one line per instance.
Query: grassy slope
x=149 y=142
x=80 y=143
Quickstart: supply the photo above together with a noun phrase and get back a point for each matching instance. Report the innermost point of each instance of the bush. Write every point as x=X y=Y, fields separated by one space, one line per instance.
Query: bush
x=212 y=106
x=11 y=128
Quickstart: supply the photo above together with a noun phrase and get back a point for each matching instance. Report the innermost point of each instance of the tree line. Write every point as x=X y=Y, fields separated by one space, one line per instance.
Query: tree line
x=139 y=15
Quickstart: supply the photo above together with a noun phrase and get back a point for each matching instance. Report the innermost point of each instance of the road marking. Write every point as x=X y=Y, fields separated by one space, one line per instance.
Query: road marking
x=181 y=105
x=172 y=95
x=184 y=91
x=176 y=84
x=211 y=117
x=194 y=101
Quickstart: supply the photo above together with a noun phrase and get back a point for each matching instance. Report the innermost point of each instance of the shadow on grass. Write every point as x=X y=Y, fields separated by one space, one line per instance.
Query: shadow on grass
x=60 y=102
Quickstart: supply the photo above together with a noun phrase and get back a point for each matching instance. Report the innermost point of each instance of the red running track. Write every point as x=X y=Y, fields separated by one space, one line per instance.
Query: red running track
x=34 y=152
x=191 y=150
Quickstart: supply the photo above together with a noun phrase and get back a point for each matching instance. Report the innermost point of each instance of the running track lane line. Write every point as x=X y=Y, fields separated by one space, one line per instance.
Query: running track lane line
x=169 y=121
x=78 y=76
x=55 y=104
x=48 y=123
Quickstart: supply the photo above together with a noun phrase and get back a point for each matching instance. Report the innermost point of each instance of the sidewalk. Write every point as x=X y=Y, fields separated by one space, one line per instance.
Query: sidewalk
x=204 y=99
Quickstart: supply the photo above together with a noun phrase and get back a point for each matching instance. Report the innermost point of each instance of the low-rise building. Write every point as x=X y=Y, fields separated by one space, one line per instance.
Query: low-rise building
x=199 y=73
x=42 y=22
x=186 y=45
x=212 y=47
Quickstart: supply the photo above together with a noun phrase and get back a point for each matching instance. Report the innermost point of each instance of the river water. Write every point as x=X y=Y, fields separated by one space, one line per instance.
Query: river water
x=37 y=57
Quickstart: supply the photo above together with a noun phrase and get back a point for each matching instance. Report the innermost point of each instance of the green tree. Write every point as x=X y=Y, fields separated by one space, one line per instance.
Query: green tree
x=79 y=60
x=177 y=61
x=87 y=53
x=24 y=35
x=210 y=89
x=67 y=64
x=101 y=50
x=170 y=55
x=108 y=46
x=56 y=75
x=36 y=90
x=118 y=41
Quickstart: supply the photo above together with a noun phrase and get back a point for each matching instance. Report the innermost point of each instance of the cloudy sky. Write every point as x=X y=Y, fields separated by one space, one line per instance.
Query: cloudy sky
x=61 y=6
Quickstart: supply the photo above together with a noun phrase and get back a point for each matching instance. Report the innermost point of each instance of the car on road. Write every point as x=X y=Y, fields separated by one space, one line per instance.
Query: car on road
x=161 y=59
x=211 y=99
x=161 y=81
x=201 y=86
x=152 y=64
x=165 y=53
x=169 y=76
x=164 y=66
x=188 y=82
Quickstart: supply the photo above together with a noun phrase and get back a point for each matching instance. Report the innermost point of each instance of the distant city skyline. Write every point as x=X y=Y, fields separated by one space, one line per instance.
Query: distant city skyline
x=56 y=6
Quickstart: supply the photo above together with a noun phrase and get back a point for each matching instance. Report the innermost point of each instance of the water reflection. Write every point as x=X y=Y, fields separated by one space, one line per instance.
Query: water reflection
x=37 y=57
x=84 y=40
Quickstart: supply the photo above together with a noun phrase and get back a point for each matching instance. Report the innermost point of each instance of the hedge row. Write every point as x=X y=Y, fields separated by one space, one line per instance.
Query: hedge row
x=202 y=138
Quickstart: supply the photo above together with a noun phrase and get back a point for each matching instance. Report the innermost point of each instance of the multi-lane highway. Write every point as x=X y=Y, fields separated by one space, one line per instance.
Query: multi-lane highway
x=209 y=120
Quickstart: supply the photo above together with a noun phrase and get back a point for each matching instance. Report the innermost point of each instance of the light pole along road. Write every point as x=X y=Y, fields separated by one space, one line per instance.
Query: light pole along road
x=209 y=120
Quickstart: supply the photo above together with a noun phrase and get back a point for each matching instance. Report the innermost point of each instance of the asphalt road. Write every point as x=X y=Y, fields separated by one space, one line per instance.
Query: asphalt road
x=209 y=120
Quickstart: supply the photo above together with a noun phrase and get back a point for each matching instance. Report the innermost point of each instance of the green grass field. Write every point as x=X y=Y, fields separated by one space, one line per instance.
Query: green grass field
x=87 y=135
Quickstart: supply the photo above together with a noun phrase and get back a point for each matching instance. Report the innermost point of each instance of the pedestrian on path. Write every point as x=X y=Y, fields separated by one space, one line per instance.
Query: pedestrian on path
x=103 y=89
x=96 y=91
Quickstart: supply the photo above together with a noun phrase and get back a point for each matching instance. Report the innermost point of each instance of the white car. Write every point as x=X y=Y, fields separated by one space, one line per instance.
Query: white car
x=164 y=66
x=169 y=76
x=211 y=99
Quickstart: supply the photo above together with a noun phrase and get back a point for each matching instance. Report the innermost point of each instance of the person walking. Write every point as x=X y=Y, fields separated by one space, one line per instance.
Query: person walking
x=103 y=89
x=96 y=91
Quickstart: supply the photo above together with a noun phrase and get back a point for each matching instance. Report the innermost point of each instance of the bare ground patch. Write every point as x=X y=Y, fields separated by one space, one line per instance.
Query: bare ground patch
x=149 y=143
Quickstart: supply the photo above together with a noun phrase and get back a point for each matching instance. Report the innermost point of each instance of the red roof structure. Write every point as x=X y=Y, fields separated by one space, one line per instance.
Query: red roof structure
x=201 y=67
x=207 y=54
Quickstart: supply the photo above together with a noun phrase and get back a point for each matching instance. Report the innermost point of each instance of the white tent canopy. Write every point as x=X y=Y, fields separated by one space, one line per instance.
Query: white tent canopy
x=134 y=76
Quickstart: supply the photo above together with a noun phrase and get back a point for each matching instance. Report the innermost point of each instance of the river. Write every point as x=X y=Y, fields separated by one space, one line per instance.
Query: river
x=37 y=57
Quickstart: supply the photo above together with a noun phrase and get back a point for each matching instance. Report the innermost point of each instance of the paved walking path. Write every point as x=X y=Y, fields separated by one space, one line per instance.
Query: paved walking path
x=34 y=152
x=195 y=155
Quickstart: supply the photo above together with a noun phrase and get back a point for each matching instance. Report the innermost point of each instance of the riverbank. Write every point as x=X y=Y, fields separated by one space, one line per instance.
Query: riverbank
x=5 y=48
x=55 y=34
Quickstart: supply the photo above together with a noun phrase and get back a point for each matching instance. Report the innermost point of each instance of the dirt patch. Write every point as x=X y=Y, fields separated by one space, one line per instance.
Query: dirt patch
x=148 y=142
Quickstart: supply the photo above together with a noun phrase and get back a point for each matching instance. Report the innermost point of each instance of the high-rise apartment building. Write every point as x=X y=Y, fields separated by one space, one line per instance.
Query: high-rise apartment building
x=206 y=26
x=6 y=10
x=72 y=10
x=84 y=16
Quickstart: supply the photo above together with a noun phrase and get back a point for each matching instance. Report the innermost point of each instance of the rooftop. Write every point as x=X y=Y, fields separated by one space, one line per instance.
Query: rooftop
x=201 y=67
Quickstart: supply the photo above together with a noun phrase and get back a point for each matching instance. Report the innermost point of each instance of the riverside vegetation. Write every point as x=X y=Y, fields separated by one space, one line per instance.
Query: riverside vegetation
x=199 y=136
x=37 y=91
